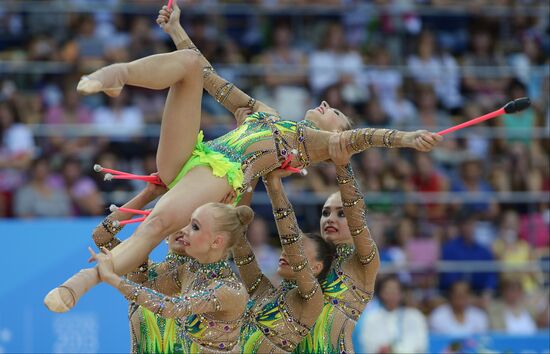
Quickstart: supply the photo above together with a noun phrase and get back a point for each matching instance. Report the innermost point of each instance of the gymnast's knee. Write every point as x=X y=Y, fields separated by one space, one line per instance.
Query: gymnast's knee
x=190 y=60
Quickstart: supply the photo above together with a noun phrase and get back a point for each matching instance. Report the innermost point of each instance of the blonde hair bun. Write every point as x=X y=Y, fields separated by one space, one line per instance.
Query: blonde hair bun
x=244 y=214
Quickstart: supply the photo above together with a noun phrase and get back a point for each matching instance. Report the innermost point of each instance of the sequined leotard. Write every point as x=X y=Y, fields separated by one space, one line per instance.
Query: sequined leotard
x=259 y=145
x=149 y=333
x=209 y=311
x=349 y=285
x=278 y=317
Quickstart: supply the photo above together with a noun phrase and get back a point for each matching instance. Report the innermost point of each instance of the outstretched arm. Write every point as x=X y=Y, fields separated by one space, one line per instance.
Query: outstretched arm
x=291 y=236
x=223 y=91
x=218 y=297
x=316 y=142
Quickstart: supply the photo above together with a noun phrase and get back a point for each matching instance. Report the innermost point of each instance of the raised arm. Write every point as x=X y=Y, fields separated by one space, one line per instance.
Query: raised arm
x=251 y=274
x=290 y=236
x=223 y=91
x=355 y=212
x=366 y=253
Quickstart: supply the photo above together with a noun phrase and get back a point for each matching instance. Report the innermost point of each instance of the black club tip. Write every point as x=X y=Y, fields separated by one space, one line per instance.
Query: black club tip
x=517 y=105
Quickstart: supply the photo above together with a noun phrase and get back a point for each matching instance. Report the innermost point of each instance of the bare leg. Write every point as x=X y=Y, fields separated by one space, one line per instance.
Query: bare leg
x=179 y=130
x=172 y=212
x=180 y=126
x=156 y=72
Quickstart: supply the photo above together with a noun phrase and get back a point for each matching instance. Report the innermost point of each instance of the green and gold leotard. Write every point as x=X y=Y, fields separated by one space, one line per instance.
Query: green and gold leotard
x=278 y=317
x=262 y=140
x=349 y=286
x=208 y=313
x=149 y=333
x=156 y=334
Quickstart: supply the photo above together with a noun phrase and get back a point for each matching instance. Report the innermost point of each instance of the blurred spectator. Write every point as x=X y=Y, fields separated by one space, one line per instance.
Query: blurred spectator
x=430 y=117
x=519 y=126
x=471 y=181
x=459 y=317
x=393 y=328
x=401 y=111
x=16 y=152
x=427 y=179
x=525 y=63
x=323 y=179
x=511 y=250
x=68 y=110
x=535 y=229
x=398 y=239
x=483 y=79
x=266 y=255
x=384 y=80
x=38 y=198
x=477 y=144
x=85 y=197
x=466 y=248
x=286 y=75
x=120 y=118
x=439 y=70
x=89 y=44
x=374 y=115
x=334 y=62
x=511 y=315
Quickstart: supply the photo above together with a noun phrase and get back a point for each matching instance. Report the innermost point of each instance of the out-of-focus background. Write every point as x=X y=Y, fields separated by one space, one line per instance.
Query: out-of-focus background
x=463 y=231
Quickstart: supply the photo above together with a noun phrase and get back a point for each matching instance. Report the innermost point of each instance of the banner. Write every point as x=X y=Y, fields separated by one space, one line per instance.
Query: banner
x=36 y=257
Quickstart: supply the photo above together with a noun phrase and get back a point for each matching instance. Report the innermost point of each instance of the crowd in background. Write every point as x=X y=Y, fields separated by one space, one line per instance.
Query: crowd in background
x=387 y=64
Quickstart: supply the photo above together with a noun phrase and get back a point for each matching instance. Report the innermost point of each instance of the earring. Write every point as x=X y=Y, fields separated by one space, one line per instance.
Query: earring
x=166 y=240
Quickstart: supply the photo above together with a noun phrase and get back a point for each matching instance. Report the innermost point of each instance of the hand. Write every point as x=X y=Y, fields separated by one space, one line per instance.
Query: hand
x=155 y=190
x=272 y=180
x=169 y=19
x=339 y=152
x=422 y=140
x=241 y=113
x=105 y=266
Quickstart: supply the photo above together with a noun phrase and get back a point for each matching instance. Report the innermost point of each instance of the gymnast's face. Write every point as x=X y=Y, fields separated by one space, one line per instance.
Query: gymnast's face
x=327 y=118
x=310 y=251
x=334 y=225
x=199 y=240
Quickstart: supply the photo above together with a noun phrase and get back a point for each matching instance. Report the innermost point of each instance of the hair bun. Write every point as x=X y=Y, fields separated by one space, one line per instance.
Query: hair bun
x=244 y=214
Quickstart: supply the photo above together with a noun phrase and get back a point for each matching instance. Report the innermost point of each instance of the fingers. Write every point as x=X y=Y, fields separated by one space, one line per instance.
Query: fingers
x=432 y=139
x=243 y=110
x=106 y=252
x=422 y=145
x=93 y=254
